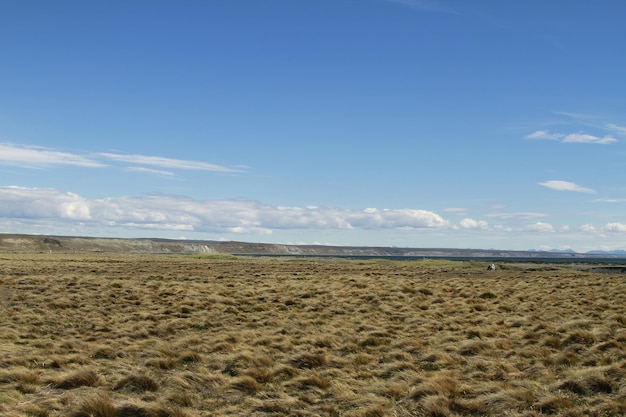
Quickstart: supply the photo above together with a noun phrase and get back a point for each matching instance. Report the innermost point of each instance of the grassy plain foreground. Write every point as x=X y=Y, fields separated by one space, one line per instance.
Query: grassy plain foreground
x=145 y=335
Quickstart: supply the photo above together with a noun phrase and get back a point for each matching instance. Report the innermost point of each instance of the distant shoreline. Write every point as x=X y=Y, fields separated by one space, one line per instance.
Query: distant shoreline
x=587 y=260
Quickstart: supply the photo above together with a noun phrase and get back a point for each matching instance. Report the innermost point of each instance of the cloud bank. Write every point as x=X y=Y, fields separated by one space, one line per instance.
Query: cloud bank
x=168 y=212
x=49 y=210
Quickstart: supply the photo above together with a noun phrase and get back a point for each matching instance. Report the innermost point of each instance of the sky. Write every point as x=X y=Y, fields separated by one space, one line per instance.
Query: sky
x=409 y=123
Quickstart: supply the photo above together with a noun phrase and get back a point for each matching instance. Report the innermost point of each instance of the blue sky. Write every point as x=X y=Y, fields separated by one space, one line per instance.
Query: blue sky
x=414 y=123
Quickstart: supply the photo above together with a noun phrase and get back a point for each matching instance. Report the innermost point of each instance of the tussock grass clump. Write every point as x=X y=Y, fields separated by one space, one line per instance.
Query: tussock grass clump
x=261 y=375
x=585 y=338
x=285 y=373
x=590 y=383
x=315 y=380
x=395 y=390
x=554 y=404
x=137 y=383
x=436 y=406
x=105 y=352
x=183 y=399
x=99 y=405
x=488 y=295
x=472 y=407
x=247 y=384
x=76 y=379
x=473 y=347
x=134 y=410
x=19 y=375
x=515 y=398
x=190 y=357
x=444 y=386
x=162 y=363
x=310 y=360
x=275 y=407
x=574 y=386
x=36 y=410
x=425 y=291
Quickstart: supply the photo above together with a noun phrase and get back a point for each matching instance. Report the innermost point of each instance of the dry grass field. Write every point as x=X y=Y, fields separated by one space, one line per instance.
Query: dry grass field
x=145 y=335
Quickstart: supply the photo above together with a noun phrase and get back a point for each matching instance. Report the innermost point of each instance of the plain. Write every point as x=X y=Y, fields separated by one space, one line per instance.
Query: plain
x=107 y=335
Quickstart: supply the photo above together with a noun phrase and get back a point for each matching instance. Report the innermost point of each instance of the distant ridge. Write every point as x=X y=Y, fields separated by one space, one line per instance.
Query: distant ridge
x=618 y=252
x=604 y=252
x=48 y=243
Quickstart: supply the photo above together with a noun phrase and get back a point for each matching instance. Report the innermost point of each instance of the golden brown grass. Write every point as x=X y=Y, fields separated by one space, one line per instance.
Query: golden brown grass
x=115 y=336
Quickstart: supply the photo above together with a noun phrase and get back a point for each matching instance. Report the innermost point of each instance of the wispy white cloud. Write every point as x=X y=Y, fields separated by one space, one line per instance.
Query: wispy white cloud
x=162 y=162
x=544 y=134
x=151 y=171
x=520 y=215
x=610 y=200
x=603 y=132
x=621 y=130
x=573 y=115
x=39 y=157
x=35 y=157
x=566 y=186
x=554 y=40
x=539 y=227
x=572 y=137
x=455 y=210
x=585 y=138
x=426 y=5
x=497 y=206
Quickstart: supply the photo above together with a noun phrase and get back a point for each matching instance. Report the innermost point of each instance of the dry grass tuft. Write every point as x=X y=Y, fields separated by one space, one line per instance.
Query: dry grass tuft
x=261 y=375
x=286 y=372
x=76 y=379
x=190 y=357
x=95 y=406
x=19 y=375
x=315 y=380
x=436 y=406
x=105 y=352
x=554 y=404
x=471 y=348
x=183 y=399
x=585 y=338
x=247 y=385
x=310 y=360
x=134 y=410
x=137 y=383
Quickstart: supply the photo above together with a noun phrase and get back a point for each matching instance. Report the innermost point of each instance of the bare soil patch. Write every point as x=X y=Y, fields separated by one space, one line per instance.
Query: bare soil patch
x=147 y=335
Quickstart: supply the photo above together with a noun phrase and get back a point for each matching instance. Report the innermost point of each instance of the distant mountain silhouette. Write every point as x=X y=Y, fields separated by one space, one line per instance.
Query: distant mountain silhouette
x=74 y=244
x=606 y=252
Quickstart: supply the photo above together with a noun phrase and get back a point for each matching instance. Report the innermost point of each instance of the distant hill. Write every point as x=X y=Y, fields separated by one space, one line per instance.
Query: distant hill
x=41 y=243
x=604 y=252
